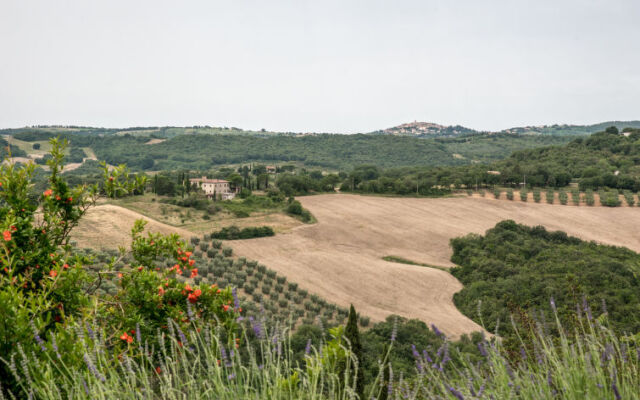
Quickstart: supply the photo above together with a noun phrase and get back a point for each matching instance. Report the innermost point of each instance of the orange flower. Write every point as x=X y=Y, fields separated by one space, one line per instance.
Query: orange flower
x=225 y=307
x=188 y=254
x=158 y=370
x=191 y=262
x=119 y=274
x=126 y=338
x=194 y=272
x=66 y=266
x=6 y=235
x=48 y=192
x=53 y=273
x=193 y=297
x=188 y=288
x=160 y=291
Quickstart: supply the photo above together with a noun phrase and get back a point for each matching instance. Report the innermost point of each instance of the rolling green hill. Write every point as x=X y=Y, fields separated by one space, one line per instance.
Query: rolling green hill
x=193 y=149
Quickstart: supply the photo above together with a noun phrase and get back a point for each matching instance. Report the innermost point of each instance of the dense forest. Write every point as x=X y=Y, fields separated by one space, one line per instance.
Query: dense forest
x=514 y=268
x=203 y=151
x=607 y=159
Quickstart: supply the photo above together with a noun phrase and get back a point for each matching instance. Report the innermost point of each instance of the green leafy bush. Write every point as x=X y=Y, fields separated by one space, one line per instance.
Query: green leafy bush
x=523 y=194
x=509 y=194
x=550 y=194
x=562 y=196
x=589 y=198
x=234 y=233
x=575 y=197
x=536 y=195
x=629 y=198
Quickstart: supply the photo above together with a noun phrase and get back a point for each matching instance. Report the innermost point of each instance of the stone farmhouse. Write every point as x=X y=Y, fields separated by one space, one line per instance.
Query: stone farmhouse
x=214 y=187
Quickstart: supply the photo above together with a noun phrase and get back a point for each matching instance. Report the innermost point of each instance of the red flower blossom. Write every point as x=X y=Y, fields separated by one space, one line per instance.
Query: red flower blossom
x=160 y=291
x=193 y=297
x=48 y=192
x=126 y=338
x=65 y=266
x=6 y=235
x=53 y=273
x=13 y=228
x=225 y=307
x=140 y=268
x=158 y=370
x=188 y=254
x=191 y=262
x=194 y=272
x=119 y=274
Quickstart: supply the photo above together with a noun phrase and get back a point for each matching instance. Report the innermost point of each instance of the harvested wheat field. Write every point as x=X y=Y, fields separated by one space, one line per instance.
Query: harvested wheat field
x=340 y=256
x=108 y=226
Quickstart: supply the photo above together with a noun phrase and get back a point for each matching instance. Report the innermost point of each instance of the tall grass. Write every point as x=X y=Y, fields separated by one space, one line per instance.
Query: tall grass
x=589 y=361
x=191 y=365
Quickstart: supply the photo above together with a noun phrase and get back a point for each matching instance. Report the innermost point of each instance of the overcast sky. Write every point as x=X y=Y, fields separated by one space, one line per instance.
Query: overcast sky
x=323 y=66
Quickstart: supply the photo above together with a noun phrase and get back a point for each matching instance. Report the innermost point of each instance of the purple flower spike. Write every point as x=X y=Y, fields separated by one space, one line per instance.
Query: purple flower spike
x=38 y=338
x=437 y=331
x=482 y=349
x=394 y=331
x=236 y=302
x=615 y=391
x=456 y=393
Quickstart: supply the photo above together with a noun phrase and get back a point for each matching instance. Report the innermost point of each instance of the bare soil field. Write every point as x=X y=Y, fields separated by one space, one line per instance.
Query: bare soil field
x=339 y=258
x=192 y=220
x=107 y=227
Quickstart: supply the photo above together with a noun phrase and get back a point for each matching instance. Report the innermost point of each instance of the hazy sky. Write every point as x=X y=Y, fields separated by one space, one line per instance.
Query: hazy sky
x=324 y=66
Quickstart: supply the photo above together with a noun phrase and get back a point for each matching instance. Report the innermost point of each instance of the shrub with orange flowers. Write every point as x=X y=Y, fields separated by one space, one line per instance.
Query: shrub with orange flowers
x=36 y=290
x=147 y=298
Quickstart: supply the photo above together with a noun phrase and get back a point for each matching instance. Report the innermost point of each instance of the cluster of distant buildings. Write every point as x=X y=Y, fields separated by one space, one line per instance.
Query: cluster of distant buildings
x=220 y=188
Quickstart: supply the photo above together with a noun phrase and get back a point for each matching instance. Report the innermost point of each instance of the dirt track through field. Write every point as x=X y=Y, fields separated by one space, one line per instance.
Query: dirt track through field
x=339 y=258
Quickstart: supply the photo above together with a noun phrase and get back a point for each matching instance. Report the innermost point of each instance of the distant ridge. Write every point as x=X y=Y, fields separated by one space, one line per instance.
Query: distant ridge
x=430 y=129
x=414 y=129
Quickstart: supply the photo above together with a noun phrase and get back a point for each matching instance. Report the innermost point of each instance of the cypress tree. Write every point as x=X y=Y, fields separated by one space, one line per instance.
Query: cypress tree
x=353 y=335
